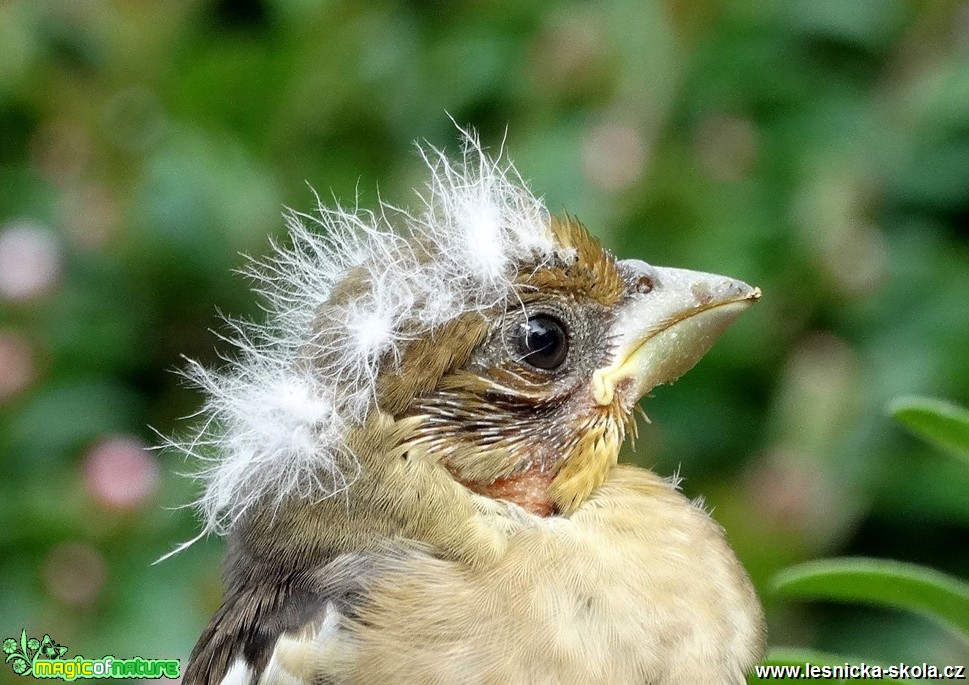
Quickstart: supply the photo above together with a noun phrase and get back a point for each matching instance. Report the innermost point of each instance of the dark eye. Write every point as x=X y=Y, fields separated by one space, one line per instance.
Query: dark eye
x=543 y=342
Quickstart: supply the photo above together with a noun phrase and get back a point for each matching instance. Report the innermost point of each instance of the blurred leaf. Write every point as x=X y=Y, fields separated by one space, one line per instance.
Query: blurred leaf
x=792 y=656
x=62 y=417
x=941 y=423
x=882 y=583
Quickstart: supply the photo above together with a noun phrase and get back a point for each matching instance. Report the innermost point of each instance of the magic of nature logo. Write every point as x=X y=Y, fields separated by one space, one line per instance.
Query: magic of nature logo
x=44 y=658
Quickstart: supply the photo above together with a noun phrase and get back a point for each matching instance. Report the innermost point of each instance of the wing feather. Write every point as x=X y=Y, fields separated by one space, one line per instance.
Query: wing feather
x=282 y=630
x=311 y=655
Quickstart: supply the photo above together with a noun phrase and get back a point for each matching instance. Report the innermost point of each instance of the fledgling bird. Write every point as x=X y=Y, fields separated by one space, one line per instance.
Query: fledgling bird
x=415 y=459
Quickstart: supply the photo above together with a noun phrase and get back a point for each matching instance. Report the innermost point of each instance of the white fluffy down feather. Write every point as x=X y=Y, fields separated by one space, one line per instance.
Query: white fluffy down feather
x=272 y=425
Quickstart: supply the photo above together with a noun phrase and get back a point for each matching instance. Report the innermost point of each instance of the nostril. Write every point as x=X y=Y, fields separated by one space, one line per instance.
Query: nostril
x=640 y=276
x=643 y=285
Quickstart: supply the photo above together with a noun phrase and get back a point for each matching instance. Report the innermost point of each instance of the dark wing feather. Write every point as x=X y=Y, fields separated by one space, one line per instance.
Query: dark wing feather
x=265 y=622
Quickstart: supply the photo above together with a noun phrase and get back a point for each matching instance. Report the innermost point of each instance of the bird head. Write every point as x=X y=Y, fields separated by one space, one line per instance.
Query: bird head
x=539 y=393
x=482 y=337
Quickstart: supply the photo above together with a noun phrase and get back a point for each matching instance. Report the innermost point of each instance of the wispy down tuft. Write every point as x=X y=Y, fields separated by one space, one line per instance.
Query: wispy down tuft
x=275 y=416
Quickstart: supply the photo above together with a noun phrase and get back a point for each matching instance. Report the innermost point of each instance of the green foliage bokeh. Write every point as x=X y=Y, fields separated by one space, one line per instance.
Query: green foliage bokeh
x=819 y=150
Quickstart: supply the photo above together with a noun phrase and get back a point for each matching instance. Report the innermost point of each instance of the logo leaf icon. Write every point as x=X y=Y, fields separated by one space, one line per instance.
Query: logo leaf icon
x=21 y=656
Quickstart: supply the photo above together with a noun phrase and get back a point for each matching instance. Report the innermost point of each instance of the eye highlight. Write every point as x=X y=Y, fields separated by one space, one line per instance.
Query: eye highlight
x=543 y=342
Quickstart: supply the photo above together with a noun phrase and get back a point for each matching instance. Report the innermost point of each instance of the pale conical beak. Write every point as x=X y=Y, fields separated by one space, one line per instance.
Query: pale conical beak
x=661 y=334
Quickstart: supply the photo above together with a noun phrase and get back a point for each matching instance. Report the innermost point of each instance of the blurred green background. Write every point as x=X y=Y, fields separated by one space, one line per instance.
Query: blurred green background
x=818 y=149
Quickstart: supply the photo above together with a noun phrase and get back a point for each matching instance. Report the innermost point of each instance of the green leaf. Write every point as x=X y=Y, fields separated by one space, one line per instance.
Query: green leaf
x=881 y=583
x=938 y=422
x=793 y=656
